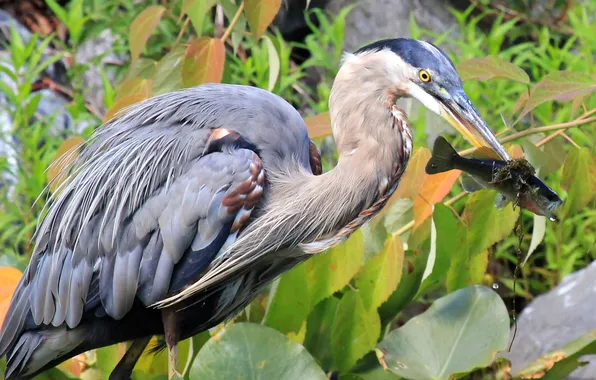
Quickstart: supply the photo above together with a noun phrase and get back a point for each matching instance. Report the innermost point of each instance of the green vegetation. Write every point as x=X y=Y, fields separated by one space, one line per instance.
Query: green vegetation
x=348 y=311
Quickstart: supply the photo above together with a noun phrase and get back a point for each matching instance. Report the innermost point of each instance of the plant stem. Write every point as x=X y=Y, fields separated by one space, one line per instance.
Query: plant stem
x=186 y=22
x=532 y=131
x=233 y=22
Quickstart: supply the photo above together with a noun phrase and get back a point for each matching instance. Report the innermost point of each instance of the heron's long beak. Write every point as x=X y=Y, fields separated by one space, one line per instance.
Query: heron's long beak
x=459 y=111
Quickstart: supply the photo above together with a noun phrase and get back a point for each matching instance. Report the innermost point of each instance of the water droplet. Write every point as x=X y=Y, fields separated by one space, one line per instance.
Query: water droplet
x=553 y=219
x=495 y=285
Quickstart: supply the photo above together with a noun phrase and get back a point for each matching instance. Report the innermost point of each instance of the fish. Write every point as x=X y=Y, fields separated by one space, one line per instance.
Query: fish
x=514 y=180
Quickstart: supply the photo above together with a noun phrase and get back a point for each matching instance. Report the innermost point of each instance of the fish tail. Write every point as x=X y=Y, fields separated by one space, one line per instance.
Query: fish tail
x=444 y=157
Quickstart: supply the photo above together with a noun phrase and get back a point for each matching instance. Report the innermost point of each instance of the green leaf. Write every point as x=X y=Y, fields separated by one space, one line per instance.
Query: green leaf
x=543 y=162
x=565 y=360
x=486 y=224
x=451 y=245
x=274 y=63
x=450 y=337
x=252 y=351
x=381 y=275
x=579 y=180
x=538 y=230
x=230 y=9
x=168 y=72
x=318 y=331
x=196 y=10
x=142 y=27
x=330 y=271
x=289 y=301
x=259 y=14
x=562 y=86
x=400 y=213
x=491 y=67
x=355 y=331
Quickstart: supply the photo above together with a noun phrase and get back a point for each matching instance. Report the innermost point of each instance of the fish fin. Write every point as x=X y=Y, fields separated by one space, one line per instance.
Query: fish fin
x=502 y=201
x=471 y=184
x=484 y=152
x=443 y=157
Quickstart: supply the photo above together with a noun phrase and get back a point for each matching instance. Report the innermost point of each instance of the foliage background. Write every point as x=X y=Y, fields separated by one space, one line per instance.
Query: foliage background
x=362 y=309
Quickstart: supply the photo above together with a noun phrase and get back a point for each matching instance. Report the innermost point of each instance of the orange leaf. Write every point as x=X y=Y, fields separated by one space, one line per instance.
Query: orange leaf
x=142 y=27
x=515 y=151
x=259 y=14
x=9 y=279
x=123 y=103
x=64 y=157
x=319 y=125
x=435 y=189
x=203 y=62
x=413 y=179
x=491 y=67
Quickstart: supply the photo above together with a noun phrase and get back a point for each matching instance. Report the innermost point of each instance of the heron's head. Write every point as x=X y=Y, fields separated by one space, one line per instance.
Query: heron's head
x=422 y=71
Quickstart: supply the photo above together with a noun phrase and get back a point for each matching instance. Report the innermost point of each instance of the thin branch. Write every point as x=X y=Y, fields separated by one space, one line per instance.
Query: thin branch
x=233 y=22
x=182 y=30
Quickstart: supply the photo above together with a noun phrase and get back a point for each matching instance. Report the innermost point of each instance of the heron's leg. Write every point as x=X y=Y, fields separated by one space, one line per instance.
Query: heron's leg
x=123 y=370
x=170 y=327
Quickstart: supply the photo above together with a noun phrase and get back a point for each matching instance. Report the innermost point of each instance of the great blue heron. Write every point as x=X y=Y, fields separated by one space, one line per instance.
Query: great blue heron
x=181 y=209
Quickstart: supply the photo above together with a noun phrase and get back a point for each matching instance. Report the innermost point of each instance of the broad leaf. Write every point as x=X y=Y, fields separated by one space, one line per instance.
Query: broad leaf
x=381 y=274
x=274 y=63
x=319 y=125
x=168 y=72
x=579 y=180
x=132 y=87
x=450 y=337
x=196 y=10
x=203 y=62
x=9 y=279
x=415 y=175
x=251 y=351
x=355 y=331
x=318 y=331
x=486 y=224
x=122 y=104
x=451 y=245
x=142 y=27
x=560 y=363
x=562 y=86
x=398 y=214
x=491 y=67
x=330 y=271
x=64 y=157
x=434 y=190
x=259 y=14
x=230 y=9
x=289 y=301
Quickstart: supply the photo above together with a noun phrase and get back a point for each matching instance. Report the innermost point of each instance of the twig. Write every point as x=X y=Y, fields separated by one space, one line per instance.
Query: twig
x=233 y=22
x=182 y=30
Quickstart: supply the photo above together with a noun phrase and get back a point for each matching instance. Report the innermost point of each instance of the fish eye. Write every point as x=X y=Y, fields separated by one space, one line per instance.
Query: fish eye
x=424 y=75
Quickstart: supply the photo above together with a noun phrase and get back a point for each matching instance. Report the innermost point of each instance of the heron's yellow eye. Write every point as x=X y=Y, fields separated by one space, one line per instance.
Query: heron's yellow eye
x=424 y=75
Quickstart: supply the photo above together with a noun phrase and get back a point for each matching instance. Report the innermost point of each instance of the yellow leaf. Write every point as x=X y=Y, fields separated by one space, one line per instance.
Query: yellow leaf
x=413 y=179
x=204 y=62
x=64 y=157
x=259 y=14
x=123 y=103
x=9 y=279
x=142 y=27
x=132 y=86
x=435 y=188
x=319 y=125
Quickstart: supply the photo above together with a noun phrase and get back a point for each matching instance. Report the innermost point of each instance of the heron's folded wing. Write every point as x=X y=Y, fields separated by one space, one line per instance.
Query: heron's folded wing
x=158 y=249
